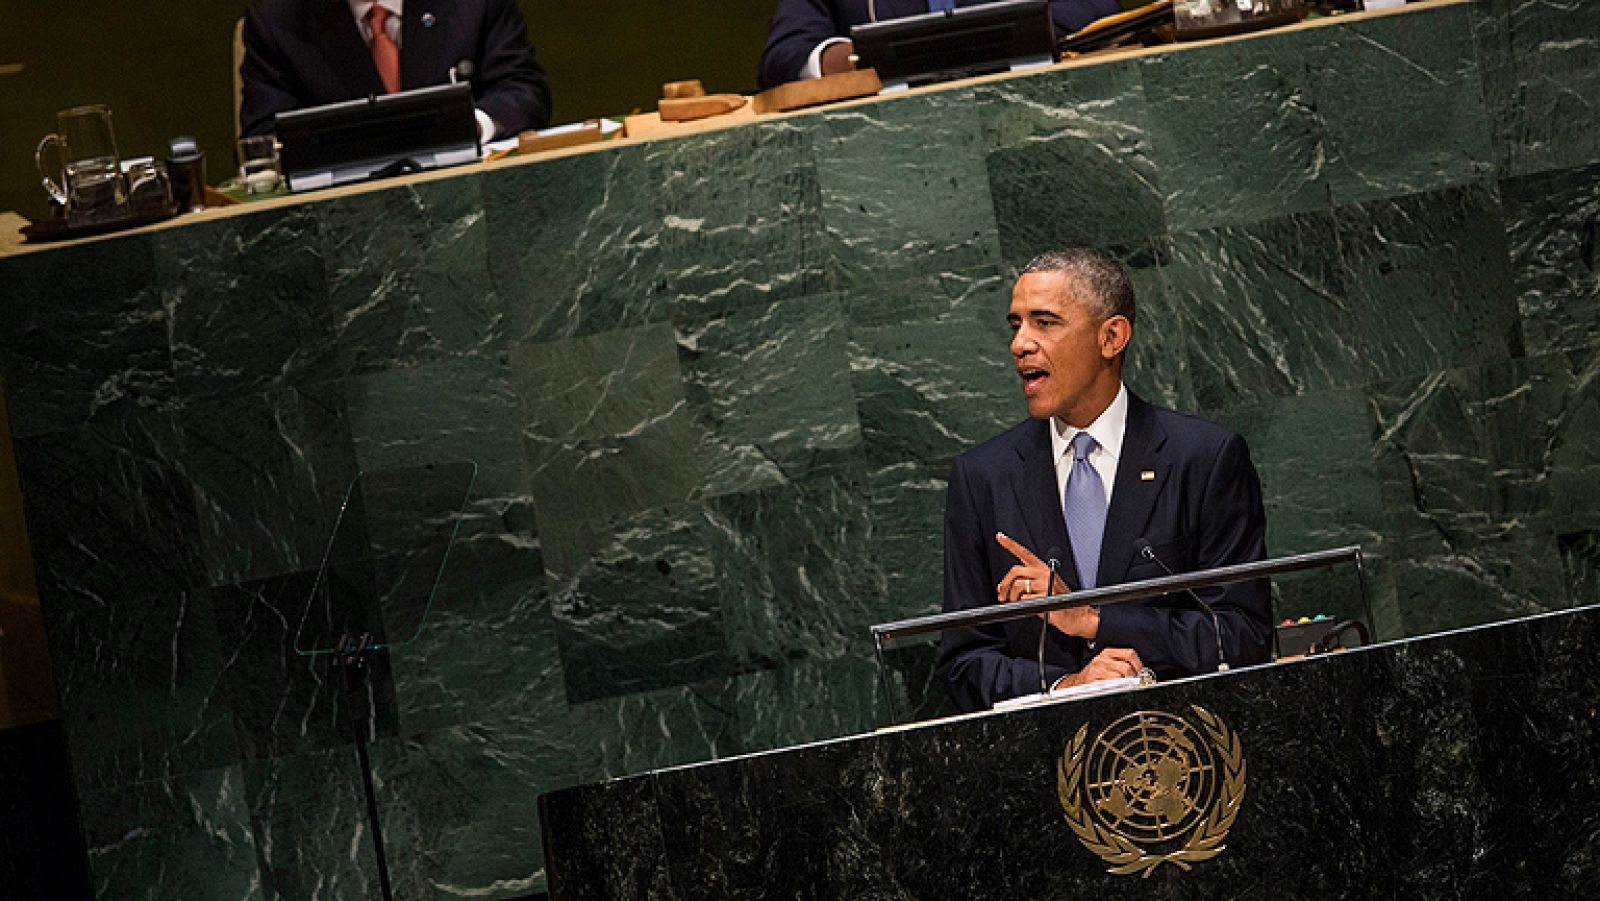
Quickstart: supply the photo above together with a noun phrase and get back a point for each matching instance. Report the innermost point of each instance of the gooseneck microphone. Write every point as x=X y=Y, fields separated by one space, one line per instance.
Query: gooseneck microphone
x=1053 y=559
x=1149 y=553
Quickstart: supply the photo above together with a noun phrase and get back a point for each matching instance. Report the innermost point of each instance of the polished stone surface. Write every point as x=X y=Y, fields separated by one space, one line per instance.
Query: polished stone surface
x=713 y=386
x=1455 y=766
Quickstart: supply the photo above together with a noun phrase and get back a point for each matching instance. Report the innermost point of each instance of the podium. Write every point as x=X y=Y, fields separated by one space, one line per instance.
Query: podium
x=1459 y=765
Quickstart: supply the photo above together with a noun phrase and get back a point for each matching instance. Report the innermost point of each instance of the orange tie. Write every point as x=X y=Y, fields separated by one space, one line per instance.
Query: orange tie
x=385 y=55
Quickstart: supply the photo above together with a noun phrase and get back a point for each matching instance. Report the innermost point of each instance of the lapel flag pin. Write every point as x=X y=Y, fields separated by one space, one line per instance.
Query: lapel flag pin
x=1147 y=475
x=428 y=20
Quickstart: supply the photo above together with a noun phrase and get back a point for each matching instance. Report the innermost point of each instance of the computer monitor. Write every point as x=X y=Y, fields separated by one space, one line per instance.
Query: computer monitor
x=389 y=134
x=969 y=40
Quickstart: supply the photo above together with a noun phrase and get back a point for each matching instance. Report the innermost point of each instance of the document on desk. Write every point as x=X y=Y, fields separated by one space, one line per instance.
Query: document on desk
x=1105 y=686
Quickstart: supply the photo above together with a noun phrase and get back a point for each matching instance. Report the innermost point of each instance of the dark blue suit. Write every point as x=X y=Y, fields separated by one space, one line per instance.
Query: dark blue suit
x=301 y=53
x=798 y=26
x=1202 y=509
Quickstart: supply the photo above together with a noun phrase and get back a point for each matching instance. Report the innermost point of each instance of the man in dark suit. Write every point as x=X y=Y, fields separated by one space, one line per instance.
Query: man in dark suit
x=1093 y=471
x=810 y=38
x=301 y=53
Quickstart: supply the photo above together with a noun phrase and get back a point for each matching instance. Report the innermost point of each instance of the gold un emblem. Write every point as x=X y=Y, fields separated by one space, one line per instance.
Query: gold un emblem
x=1153 y=789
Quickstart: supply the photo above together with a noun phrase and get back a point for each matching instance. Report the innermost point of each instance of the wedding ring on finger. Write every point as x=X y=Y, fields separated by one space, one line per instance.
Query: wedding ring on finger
x=1027 y=587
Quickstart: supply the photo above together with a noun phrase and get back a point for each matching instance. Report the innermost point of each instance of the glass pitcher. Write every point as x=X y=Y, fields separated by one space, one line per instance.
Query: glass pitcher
x=88 y=176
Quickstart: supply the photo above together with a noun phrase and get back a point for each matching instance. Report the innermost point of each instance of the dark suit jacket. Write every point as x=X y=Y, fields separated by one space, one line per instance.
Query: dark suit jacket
x=301 y=53
x=798 y=26
x=1202 y=509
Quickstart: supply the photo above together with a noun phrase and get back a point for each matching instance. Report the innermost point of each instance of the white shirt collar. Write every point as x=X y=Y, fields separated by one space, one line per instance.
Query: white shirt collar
x=1107 y=429
x=359 y=8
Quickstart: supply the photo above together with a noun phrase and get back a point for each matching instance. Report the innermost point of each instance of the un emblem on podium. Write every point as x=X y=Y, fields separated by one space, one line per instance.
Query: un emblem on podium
x=1153 y=788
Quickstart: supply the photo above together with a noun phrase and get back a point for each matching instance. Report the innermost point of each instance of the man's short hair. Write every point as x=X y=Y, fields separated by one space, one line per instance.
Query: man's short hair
x=1103 y=278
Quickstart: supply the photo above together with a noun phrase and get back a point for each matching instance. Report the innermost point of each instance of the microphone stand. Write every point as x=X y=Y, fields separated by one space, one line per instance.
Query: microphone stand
x=1044 y=625
x=1149 y=553
x=350 y=665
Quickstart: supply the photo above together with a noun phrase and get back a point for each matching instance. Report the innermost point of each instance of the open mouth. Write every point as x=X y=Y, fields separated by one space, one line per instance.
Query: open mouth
x=1032 y=380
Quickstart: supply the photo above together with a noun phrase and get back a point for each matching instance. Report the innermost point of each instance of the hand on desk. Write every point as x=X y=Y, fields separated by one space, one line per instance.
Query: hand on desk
x=1029 y=579
x=1111 y=663
x=836 y=58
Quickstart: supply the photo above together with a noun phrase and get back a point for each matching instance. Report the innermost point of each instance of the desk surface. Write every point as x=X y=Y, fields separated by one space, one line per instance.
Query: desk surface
x=11 y=242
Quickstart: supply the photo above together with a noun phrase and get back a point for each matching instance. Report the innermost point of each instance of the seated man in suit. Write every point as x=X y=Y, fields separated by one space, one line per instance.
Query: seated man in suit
x=301 y=53
x=809 y=38
x=1091 y=473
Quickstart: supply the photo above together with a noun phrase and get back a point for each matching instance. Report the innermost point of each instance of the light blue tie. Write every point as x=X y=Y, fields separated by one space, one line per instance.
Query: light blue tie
x=939 y=6
x=1084 y=509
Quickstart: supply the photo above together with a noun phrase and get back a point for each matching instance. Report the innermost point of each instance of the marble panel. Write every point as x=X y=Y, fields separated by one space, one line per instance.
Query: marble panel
x=187 y=837
x=282 y=702
x=796 y=577
x=1432 y=275
x=607 y=429
x=309 y=816
x=1580 y=565
x=1084 y=175
x=575 y=245
x=810 y=700
x=247 y=301
x=904 y=186
x=269 y=474
x=488 y=651
x=452 y=410
x=649 y=730
x=1402 y=102
x=723 y=853
x=628 y=809
x=1322 y=490
x=774 y=380
x=1264 y=311
x=1541 y=73
x=114 y=540
x=408 y=276
x=466 y=801
x=83 y=333
x=1470 y=459
x=741 y=216
x=1553 y=227
x=636 y=601
x=1236 y=130
x=929 y=365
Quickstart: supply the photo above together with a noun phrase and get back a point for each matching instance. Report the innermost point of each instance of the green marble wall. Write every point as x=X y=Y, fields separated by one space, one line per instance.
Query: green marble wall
x=714 y=386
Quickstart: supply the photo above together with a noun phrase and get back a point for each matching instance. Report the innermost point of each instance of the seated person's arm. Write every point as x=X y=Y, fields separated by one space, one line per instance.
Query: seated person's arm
x=268 y=80
x=798 y=29
x=509 y=84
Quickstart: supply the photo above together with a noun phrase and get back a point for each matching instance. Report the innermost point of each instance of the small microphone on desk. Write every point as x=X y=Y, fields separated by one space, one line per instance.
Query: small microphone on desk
x=1053 y=558
x=461 y=71
x=1149 y=553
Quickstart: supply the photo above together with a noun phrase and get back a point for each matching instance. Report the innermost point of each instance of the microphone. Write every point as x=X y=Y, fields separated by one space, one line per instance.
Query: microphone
x=1149 y=553
x=1053 y=558
x=461 y=71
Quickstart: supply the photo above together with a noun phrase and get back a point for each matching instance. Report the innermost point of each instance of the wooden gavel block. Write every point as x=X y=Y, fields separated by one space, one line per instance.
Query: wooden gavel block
x=686 y=101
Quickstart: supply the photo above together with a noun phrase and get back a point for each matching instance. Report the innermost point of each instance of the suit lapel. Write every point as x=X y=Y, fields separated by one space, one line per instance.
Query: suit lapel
x=1034 y=484
x=1133 y=497
x=348 y=55
x=420 y=65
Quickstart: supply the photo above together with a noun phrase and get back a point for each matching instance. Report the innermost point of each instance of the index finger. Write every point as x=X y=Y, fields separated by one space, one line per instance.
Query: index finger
x=1021 y=553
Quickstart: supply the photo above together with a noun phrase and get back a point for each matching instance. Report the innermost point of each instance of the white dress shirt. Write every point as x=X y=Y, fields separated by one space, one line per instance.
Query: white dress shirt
x=1107 y=432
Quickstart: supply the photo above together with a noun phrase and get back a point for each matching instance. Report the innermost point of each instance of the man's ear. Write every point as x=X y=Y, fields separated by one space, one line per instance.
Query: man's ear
x=1115 y=333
